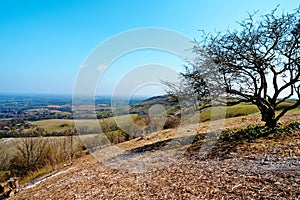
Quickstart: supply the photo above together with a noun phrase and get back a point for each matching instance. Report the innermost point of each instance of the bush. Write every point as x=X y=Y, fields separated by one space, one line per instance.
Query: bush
x=118 y=136
x=109 y=125
x=171 y=122
x=64 y=125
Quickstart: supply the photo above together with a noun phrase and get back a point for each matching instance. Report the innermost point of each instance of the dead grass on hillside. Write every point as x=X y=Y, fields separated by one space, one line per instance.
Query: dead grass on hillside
x=265 y=168
x=260 y=176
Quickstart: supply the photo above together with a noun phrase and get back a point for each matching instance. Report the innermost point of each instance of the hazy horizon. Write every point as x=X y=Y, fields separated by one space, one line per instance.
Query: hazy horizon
x=70 y=95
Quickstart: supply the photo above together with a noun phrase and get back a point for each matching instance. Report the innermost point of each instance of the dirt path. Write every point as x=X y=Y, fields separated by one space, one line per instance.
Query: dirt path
x=39 y=180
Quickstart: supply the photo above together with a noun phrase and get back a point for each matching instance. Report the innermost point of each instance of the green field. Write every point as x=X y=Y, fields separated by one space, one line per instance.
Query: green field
x=54 y=124
x=219 y=112
x=108 y=124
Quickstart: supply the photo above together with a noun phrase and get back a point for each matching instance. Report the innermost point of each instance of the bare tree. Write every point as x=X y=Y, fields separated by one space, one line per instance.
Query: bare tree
x=4 y=156
x=30 y=154
x=260 y=63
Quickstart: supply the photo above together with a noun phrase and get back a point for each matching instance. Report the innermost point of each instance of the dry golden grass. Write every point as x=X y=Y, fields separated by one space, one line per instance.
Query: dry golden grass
x=266 y=168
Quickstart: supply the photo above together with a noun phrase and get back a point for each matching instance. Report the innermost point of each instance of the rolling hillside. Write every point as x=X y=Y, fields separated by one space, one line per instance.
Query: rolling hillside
x=162 y=166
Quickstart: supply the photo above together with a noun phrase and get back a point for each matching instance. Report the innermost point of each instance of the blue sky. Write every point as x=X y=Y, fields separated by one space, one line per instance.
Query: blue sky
x=44 y=42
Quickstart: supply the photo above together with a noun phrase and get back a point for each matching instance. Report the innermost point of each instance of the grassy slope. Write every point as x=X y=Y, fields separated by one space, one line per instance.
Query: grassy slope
x=231 y=112
x=248 y=171
x=242 y=109
x=64 y=124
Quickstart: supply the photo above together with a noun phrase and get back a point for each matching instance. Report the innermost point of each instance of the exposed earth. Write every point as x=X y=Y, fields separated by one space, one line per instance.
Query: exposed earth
x=158 y=166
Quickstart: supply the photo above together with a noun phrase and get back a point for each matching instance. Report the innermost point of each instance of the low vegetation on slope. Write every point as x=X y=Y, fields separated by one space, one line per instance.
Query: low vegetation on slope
x=263 y=164
x=231 y=140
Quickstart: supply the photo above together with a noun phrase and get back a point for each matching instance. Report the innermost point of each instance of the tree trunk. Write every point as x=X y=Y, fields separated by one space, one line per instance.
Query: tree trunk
x=271 y=123
x=268 y=116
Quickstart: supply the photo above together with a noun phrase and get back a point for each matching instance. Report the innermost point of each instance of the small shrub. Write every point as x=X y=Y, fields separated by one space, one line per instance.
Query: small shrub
x=171 y=122
x=109 y=125
x=118 y=136
x=63 y=125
